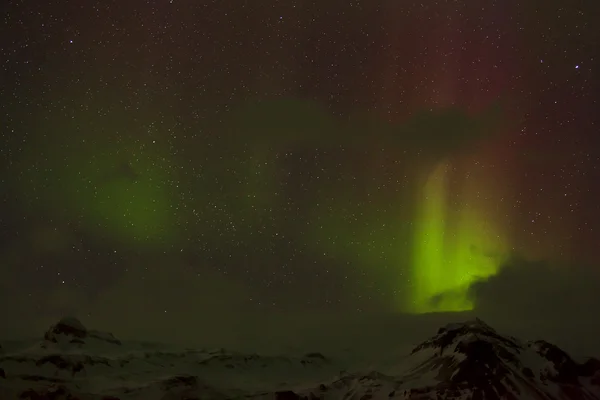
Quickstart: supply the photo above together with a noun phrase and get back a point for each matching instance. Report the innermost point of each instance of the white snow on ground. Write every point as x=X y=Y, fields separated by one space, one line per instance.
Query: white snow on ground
x=71 y=362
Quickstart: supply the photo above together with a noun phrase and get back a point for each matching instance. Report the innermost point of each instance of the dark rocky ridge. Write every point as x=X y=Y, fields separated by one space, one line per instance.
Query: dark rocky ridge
x=467 y=359
x=73 y=330
x=474 y=356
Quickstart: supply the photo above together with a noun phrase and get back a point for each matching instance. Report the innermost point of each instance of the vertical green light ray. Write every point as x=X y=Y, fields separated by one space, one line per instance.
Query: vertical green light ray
x=452 y=247
x=430 y=267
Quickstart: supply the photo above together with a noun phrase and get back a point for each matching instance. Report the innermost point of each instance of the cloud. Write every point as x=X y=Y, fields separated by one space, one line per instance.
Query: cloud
x=557 y=302
x=539 y=289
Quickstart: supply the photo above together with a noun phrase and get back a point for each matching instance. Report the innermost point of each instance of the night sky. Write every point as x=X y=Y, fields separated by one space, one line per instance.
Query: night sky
x=170 y=159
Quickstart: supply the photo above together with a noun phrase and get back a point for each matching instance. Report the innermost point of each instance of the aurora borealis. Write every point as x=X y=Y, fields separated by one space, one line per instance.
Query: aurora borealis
x=291 y=155
x=121 y=187
x=453 y=248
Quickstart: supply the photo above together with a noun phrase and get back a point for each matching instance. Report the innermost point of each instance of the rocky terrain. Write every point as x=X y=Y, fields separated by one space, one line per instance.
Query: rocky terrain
x=467 y=360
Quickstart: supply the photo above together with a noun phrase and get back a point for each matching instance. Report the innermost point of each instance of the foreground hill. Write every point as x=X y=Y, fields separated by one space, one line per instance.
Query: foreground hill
x=462 y=361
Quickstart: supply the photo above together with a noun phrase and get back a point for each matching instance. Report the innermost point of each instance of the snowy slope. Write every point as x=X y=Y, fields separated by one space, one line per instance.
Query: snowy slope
x=463 y=361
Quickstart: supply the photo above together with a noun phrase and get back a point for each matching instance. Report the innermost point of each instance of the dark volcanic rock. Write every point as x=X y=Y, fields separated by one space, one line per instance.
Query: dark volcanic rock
x=528 y=373
x=72 y=363
x=287 y=395
x=58 y=393
x=67 y=326
x=465 y=360
x=590 y=367
x=40 y=378
x=313 y=358
x=179 y=380
x=447 y=335
x=61 y=362
x=72 y=331
x=567 y=370
x=318 y=356
x=472 y=357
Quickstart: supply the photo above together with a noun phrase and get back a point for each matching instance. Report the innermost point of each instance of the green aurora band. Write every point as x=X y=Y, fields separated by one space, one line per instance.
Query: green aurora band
x=129 y=188
x=453 y=248
x=133 y=200
x=119 y=189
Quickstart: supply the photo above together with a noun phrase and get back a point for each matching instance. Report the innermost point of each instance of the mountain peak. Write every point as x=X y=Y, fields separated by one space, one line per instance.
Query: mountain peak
x=69 y=326
x=473 y=324
x=472 y=356
x=463 y=333
x=467 y=360
x=70 y=331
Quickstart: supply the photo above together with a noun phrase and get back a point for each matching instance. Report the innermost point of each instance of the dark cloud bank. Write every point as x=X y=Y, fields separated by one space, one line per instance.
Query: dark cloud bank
x=528 y=299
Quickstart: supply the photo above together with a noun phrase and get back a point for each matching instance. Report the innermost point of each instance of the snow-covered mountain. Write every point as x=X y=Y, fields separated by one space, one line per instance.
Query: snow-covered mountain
x=462 y=361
